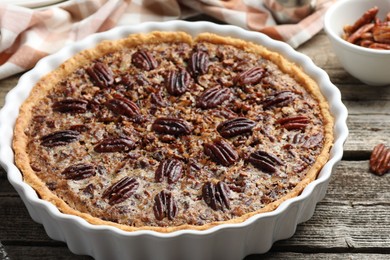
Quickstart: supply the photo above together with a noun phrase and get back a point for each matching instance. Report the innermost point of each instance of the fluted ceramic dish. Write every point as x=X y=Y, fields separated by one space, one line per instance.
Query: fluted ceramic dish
x=225 y=241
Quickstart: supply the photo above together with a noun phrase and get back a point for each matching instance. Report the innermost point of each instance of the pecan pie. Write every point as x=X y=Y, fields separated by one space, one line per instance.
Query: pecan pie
x=163 y=131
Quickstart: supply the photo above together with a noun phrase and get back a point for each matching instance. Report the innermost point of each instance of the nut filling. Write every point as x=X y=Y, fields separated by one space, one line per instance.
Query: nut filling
x=182 y=132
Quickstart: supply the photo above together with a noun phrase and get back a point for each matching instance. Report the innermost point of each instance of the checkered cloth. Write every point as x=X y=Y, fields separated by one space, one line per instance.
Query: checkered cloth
x=27 y=35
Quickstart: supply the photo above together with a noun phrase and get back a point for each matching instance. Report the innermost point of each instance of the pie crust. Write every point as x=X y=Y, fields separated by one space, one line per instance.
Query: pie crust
x=240 y=130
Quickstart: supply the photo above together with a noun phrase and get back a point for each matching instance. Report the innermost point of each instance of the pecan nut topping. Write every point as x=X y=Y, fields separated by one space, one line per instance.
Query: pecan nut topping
x=221 y=152
x=101 y=74
x=144 y=60
x=70 y=106
x=216 y=196
x=164 y=206
x=198 y=63
x=313 y=141
x=264 y=161
x=279 y=99
x=178 y=82
x=124 y=106
x=235 y=126
x=59 y=138
x=213 y=97
x=380 y=159
x=121 y=190
x=114 y=144
x=171 y=126
x=250 y=77
x=293 y=122
x=79 y=171
x=170 y=168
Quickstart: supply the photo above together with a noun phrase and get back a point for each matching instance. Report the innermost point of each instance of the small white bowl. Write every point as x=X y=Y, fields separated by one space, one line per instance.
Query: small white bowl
x=368 y=65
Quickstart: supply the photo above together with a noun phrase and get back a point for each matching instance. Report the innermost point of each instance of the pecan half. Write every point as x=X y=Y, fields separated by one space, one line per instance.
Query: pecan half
x=170 y=168
x=144 y=60
x=70 y=106
x=164 y=206
x=216 y=196
x=250 y=77
x=101 y=74
x=79 y=171
x=221 y=152
x=213 y=97
x=120 y=190
x=279 y=99
x=171 y=126
x=313 y=140
x=198 y=63
x=379 y=46
x=59 y=138
x=358 y=33
x=381 y=33
x=177 y=82
x=293 y=122
x=265 y=161
x=380 y=159
x=235 y=126
x=115 y=144
x=366 y=18
x=124 y=106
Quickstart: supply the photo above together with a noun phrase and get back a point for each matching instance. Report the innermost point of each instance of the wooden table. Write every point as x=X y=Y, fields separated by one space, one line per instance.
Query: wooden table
x=353 y=221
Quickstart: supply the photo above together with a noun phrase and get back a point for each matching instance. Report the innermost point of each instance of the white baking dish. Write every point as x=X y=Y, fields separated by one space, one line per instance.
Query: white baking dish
x=227 y=241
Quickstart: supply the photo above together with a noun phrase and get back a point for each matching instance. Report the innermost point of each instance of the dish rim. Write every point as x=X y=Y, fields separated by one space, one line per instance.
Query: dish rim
x=9 y=113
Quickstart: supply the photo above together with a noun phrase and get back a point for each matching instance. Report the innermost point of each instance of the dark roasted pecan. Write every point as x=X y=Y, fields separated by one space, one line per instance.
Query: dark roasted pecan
x=115 y=144
x=313 y=141
x=198 y=63
x=264 y=161
x=60 y=138
x=79 y=128
x=380 y=159
x=101 y=74
x=279 y=99
x=171 y=126
x=381 y=33
x=88 y=190
x=250 y=77
x=177 y=82
x=79 y=171
x=293 y=122
x=144 y=60
x=124 y=106
x=235 y=126
x=170 y=168
x=221 y=152
x=216 y=196
x=213 y=97
x=164 y=206
x=157 y=99
x=120 y=190
x=70 y=106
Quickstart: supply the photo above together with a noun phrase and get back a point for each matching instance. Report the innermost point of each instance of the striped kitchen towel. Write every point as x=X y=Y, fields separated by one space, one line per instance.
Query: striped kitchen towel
x=27 y=35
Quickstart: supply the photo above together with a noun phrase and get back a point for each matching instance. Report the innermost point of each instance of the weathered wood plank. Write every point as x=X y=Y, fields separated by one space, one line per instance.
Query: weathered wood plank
x=42 y=253
x=305 y=256
x=62 y=253
x=17 y=225
x=367 y=131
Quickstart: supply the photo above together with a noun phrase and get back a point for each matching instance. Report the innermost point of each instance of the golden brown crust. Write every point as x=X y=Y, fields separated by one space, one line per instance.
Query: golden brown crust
x=50 y=80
